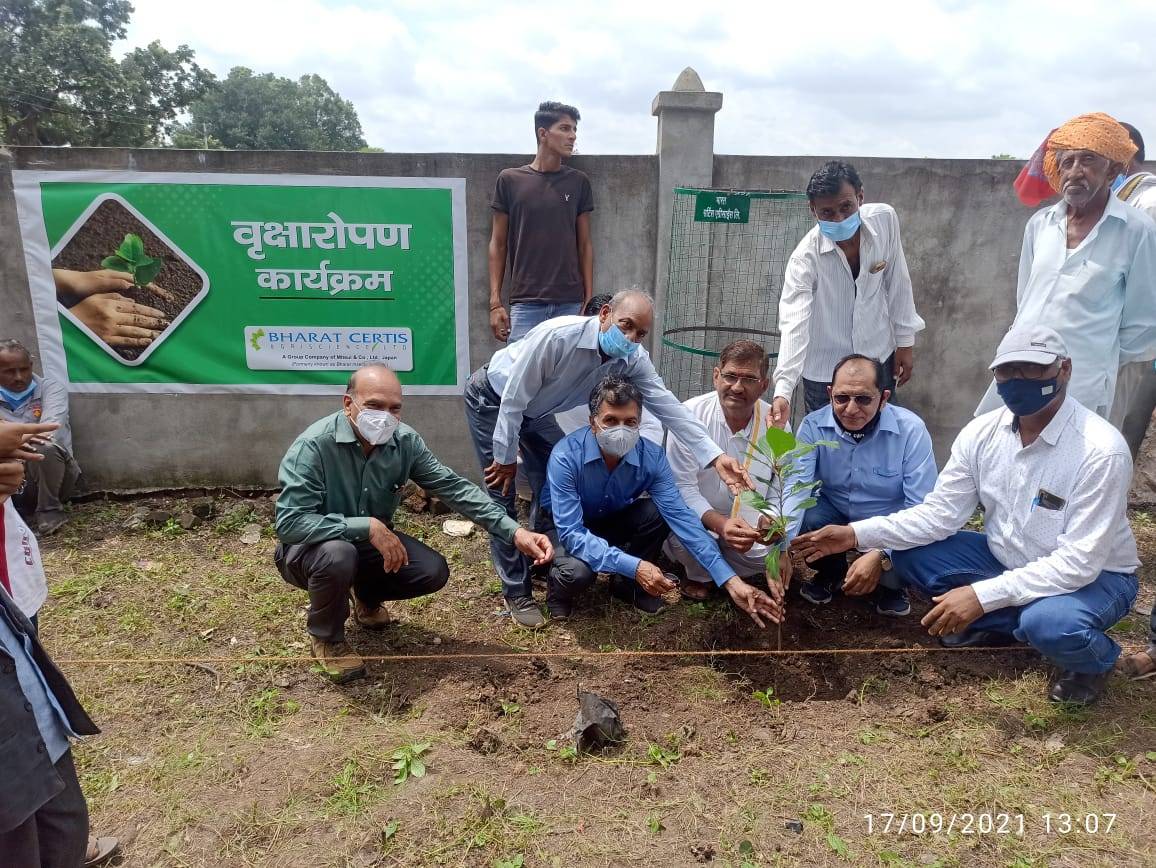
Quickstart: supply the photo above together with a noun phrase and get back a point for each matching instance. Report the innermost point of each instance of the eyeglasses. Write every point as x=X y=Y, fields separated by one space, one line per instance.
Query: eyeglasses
x=861 y=400
x=737 y=379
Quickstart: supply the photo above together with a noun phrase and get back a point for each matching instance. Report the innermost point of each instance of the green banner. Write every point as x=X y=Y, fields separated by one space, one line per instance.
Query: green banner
x=218 y=282
x=712 y=207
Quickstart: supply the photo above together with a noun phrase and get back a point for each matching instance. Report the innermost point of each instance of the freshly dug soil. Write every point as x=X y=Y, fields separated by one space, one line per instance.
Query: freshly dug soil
x=103 y=233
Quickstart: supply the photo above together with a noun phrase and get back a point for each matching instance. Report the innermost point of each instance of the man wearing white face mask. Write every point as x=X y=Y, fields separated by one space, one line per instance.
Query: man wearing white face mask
x=511 y=402
x=597 y=476
x=846 y=290
x=341 y=482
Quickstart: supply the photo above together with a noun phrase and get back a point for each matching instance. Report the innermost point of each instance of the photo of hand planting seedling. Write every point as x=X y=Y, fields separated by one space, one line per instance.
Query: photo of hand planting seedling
x=781 y=451
x=130 y=257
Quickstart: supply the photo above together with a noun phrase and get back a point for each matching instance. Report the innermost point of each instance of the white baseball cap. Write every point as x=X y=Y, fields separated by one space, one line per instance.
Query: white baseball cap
x=1034 y=344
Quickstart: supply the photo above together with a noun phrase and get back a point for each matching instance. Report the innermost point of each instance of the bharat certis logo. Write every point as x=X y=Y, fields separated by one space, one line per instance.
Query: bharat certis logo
x=346 y=348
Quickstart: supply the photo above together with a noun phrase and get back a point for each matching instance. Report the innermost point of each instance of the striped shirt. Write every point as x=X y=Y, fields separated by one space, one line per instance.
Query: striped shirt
x=872 y=314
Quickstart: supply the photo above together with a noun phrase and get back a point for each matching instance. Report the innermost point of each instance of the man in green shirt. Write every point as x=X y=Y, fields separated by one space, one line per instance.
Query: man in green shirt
x=341 y=482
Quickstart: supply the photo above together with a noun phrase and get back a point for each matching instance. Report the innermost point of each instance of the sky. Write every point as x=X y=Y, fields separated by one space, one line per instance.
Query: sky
x=900 y=79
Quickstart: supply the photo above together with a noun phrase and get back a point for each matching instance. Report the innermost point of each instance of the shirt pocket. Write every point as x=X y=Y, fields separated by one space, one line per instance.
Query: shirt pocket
x=886 y=482
x=1044 y=526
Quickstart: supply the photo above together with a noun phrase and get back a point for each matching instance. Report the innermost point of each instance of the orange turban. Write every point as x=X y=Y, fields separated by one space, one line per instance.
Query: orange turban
x=1096 y=132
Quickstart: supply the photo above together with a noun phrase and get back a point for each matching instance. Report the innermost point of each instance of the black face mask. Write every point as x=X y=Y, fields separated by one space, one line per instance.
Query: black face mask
x=864 y=432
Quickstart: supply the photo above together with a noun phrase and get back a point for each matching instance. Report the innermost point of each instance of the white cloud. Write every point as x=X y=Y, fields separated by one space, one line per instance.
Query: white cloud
x=919 y=78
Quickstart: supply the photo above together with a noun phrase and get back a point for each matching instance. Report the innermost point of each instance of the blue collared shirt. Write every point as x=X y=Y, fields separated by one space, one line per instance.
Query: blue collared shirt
x=889 y=470
x=50 y=717
x=581 y=488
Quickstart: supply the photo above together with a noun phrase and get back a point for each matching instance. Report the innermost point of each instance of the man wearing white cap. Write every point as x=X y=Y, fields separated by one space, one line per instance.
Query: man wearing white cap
x=1056 y=564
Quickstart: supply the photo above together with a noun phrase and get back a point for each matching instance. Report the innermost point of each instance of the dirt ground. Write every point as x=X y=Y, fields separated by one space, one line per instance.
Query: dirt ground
x=849 y=759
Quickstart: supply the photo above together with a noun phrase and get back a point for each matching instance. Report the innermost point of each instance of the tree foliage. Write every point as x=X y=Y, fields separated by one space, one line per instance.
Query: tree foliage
x=60 y=84
x=247 y=111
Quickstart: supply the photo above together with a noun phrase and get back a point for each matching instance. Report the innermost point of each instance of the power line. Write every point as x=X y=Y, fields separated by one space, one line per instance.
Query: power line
x=44 y=105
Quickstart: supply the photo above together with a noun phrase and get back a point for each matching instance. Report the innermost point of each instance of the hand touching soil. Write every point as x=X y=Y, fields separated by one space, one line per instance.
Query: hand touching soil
x=119 y=321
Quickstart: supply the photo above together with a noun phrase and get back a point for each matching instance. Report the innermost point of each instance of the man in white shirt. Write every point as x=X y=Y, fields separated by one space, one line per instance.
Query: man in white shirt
x=1136 y=385
x=511 y=402
x=1056 y=564
x=733 y=414
x=1088 y=264
x=846 y=290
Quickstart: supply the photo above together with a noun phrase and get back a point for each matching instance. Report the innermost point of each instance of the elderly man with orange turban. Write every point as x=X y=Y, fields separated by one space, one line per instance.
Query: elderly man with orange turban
x=1088 y=264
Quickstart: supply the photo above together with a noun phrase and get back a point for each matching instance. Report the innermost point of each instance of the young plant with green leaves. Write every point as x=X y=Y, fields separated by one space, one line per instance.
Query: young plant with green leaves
x=782 y=451
x=131 y=258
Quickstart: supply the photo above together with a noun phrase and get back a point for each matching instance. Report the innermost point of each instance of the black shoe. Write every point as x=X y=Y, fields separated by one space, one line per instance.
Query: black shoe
x=559 y=608
x=629 y=591
x=977 y=639
x=1078 y=688
x=525 y=612
x=819 y=591
x=892 y=602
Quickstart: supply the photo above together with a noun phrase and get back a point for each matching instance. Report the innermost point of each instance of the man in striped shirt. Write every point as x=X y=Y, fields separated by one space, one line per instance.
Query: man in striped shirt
x=846 y=291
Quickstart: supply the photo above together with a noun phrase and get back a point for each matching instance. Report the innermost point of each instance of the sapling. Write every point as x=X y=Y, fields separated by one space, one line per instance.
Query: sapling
x=130 y=257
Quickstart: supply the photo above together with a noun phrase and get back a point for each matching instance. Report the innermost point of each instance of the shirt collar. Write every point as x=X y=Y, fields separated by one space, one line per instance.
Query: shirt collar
x=1053 y=430
x=588 y=338
x=1115 y=208
x=744 y=432
x=343 y=431
x=826 y=245
x=591 y=451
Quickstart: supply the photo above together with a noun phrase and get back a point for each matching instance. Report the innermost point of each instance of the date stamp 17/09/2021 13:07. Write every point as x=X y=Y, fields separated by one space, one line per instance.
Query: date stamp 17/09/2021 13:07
x=987 y=823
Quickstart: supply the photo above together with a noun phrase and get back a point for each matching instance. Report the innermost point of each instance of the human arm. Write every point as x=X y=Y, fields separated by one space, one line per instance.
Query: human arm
x=585 y=257
x=905 y=321
x=671 y=412
x=119 y=321
x=499 y=316
x=300 y=516
x=919 y=470
x=794 y=325
x=1138 y=320
x=684 y=467
x=17 y=437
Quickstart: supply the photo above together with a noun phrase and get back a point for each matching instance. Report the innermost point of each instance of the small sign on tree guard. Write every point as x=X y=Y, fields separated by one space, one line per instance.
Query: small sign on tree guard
x=712 y=207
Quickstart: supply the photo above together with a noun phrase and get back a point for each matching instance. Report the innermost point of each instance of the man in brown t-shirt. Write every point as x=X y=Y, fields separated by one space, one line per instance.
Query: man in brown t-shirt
x=541 y=229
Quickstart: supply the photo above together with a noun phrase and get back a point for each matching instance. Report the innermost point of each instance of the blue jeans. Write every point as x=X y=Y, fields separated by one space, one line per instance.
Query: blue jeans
x=1068 y=629
x=832 y=569
x=527 y=314
x=535 y=442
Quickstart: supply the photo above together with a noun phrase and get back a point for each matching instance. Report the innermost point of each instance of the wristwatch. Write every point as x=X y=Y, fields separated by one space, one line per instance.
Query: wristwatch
x=884 y=560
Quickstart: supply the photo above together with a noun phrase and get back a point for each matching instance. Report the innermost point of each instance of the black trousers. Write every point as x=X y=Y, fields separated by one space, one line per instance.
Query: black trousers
x=56 y=836
x=815 y=392
x=328 y=571
x=638 y=530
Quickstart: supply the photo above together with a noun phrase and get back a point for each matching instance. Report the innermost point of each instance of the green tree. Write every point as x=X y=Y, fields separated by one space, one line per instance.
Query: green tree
x=247 y=111
x=59 y=83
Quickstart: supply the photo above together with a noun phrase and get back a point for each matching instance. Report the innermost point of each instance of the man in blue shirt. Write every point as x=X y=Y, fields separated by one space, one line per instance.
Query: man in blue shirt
x=884 y=463
x=596 y=477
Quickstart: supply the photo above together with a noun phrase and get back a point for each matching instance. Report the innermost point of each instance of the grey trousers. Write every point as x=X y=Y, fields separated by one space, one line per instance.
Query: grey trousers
x=56 y=836
x=744 y=564
x=1134 y=402
x=48 y=483
x=536 y=440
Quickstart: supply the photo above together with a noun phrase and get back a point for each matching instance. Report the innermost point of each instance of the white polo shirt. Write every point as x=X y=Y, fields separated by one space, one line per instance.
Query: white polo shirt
x=1055 y=512
x=21 y=573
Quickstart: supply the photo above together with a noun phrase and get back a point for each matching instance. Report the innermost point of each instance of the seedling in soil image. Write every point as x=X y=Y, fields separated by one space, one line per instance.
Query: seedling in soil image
x=131 y=258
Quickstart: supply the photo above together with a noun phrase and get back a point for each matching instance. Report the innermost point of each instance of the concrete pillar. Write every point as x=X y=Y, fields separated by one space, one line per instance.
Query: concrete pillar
x=685 y=159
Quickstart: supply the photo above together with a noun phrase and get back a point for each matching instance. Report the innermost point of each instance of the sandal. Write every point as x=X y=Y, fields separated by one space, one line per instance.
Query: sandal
x=1140 y=665
x=100 y=850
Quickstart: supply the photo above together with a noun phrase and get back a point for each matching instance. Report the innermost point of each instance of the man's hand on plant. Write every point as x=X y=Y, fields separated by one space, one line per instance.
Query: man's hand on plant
x=830 y=540
x=500 y=323
x=863 y=575
x=651 y=579
x=11 y=476
x=119 y=321
x=780 y=413
x=16 y=437
x=952 y=612
x=393 y=553
x=739 y=535
x=764 y=528
x=500 y=476
x=536 y=546
x=731 y=471
x=786 y=571
x=754 y=602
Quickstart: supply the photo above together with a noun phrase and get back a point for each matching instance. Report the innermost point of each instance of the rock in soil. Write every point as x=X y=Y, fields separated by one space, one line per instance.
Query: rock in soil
x=157 y=516
x=437 y=507
x=251 y=534
x=188 y=521
x=202 y=507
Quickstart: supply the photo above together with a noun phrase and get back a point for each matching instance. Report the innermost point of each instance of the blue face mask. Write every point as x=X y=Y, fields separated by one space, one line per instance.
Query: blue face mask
x=615 y=344
x=842 y=230
x=15 y=399
x=1118 y=182
x=1027 y=397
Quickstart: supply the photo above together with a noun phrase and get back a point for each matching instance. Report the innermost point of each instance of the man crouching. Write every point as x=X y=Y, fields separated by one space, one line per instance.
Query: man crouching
x=341 y=482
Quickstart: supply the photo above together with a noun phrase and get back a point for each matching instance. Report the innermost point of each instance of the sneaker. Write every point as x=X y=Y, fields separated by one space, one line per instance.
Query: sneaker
x=558 y=607
x=629 y=591
x=340 y=662
x=892 y=602
x=525 y=612
x=371 y=618
x=817 y=591
x=50 y=521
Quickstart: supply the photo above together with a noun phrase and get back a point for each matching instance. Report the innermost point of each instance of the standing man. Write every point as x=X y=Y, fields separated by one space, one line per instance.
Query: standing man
x=732 y=414
x=597 y=477
x=341 y=482
x=511 y=402
x=541 y=231
x=846 y=290
x=1136 y=387
x=884 y=463
x=1055 y=565
x=1088 y=264
x=25 y=397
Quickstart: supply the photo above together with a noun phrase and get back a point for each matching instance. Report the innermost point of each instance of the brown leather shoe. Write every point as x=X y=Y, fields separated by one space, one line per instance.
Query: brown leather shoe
x=340 y=662
x=371 y=619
